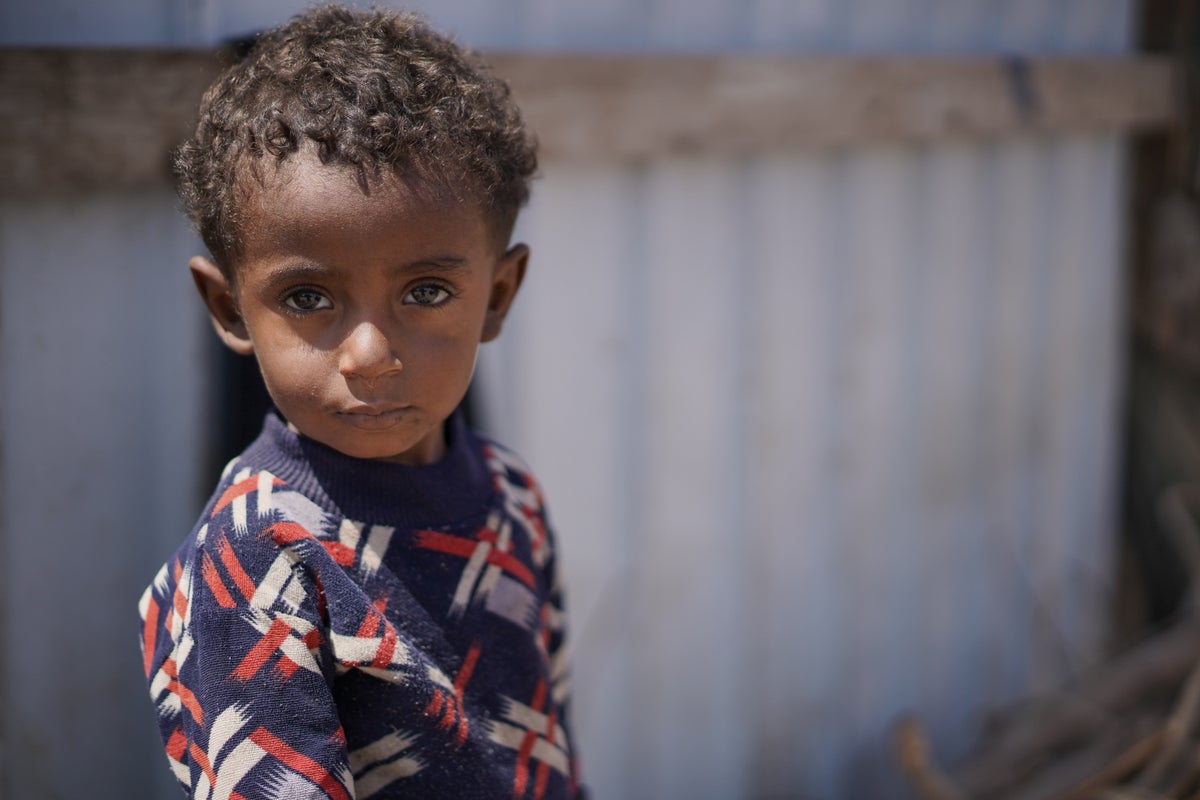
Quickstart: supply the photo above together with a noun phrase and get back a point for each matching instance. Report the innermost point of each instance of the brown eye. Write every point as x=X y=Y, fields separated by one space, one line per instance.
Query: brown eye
x=307 y=300
x=428 y=295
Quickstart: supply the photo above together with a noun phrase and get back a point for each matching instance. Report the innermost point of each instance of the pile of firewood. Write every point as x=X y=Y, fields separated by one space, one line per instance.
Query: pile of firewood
x=1129 y=730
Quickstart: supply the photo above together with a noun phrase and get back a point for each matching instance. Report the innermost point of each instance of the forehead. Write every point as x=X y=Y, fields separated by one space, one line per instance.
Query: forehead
x=303 y=204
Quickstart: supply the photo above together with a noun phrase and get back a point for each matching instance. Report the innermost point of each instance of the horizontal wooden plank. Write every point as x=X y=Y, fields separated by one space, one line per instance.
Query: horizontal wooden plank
x=585 y=107
x=85 y=119
x=92 y=119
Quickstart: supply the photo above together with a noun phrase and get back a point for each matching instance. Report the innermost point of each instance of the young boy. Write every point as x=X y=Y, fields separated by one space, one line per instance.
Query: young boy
x=368 y=605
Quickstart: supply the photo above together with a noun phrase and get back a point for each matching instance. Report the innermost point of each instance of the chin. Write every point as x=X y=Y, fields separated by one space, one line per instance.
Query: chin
x=375 y=451
x=394 y=437
x=406 y=451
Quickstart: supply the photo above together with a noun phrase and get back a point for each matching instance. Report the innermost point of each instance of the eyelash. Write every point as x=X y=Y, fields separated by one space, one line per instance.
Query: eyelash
x=445 y=295
x=290 y=298
x=323 y=302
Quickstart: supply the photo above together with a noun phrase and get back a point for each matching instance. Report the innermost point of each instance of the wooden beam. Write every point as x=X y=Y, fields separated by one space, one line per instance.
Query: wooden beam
x=75 y=119
x=593 y=107
x=94 y=119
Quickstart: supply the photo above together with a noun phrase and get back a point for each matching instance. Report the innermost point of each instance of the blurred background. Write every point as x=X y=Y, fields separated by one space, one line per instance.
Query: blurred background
x=856 y=358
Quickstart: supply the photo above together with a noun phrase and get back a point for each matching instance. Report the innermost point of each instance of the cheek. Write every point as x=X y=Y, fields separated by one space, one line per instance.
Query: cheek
x=447 y=337
x=292 y=371
x=445 y=356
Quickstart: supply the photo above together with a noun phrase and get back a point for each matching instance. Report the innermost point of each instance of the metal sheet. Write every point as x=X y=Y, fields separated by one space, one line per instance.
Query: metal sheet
x=825 y=438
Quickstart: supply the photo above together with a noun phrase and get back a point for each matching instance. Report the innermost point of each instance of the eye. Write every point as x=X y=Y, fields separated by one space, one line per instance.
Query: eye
x=427 y=295
x=307 y=300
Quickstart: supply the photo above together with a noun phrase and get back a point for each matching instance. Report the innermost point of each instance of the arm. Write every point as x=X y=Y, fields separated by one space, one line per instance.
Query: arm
x=240 y=673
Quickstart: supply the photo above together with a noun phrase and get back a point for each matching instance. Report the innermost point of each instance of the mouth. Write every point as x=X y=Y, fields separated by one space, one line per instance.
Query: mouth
x=373 y=417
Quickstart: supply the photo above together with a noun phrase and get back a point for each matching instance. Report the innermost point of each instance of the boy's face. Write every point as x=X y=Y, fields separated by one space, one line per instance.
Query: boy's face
x=364 y=310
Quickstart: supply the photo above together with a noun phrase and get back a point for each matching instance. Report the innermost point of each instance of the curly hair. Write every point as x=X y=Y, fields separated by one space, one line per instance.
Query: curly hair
x=378 y=92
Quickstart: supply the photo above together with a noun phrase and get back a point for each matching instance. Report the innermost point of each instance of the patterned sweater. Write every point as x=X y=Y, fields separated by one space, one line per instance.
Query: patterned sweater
x=343 y=628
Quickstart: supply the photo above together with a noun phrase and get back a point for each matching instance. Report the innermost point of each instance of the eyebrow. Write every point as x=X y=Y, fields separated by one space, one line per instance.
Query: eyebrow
x=294 y=272
x=437 y=264
x=310 y=271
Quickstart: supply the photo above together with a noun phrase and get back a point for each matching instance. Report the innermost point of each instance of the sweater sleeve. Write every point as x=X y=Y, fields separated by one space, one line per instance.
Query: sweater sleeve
x=240 y=672
x=554 y=636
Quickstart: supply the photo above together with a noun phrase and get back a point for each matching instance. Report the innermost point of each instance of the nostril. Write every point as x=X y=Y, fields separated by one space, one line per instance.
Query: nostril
x=367 y=354
x=370 y=372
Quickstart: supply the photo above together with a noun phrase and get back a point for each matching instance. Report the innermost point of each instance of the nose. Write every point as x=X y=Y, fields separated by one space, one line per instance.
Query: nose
x=367 y=354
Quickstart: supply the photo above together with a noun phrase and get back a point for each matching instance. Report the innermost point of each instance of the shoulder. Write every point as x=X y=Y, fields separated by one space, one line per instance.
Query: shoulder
x=509 y=472
x=237 y=554
x=520 y=496
x=253 y=543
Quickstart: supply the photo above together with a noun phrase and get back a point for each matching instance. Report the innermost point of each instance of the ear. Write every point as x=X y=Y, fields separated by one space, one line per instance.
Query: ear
x=506 y=280
x=222 y=306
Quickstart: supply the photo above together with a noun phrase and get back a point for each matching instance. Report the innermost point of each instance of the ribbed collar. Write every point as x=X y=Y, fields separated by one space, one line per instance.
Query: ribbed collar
x=456 y=487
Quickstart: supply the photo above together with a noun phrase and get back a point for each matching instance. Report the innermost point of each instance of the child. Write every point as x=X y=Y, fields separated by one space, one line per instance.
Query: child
x=368 y=605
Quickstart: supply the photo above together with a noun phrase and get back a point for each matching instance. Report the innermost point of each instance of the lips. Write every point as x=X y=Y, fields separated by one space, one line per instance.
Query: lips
x=373 y=417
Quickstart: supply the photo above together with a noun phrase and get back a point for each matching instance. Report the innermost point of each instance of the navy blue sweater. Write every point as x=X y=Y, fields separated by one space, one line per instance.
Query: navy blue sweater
x=342 y=628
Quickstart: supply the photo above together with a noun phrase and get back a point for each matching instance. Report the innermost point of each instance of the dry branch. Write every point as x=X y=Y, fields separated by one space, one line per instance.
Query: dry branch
x=1112 y=693
x=912 y=744
x=1125 y=731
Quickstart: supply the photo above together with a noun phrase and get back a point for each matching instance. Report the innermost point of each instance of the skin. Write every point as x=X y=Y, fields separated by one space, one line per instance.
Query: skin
x=364 y=307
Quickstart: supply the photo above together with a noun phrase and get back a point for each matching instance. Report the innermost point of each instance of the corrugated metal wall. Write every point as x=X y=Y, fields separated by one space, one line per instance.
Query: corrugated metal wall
x=101 y=393
x=827 y=436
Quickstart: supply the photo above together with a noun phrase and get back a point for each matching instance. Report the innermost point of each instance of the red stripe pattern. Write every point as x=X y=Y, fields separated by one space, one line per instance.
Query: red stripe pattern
x=293 y=652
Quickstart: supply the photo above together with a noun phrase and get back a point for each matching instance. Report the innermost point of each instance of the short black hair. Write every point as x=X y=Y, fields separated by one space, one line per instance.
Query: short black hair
x=375 y=91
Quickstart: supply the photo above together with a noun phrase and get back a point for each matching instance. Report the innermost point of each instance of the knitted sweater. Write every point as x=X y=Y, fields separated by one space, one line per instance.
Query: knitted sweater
x=343 y=628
